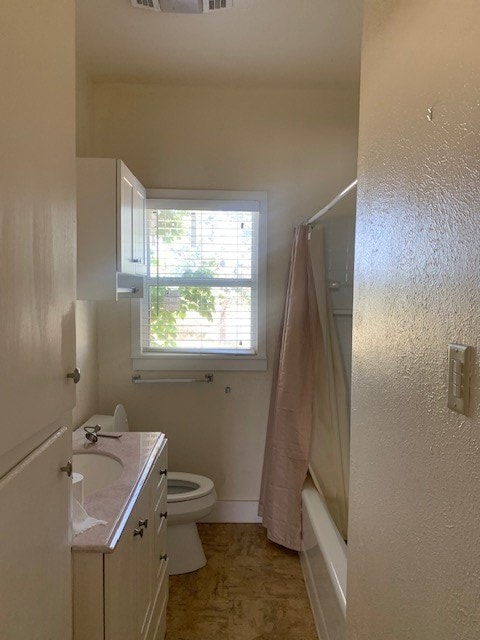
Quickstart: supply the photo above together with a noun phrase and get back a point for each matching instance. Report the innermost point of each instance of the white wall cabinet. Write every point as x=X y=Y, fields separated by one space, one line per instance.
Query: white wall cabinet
x=123 y=595
x=110 y=230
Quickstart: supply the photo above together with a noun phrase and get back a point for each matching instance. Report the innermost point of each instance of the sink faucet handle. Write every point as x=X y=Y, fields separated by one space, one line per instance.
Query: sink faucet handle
x=91 y=433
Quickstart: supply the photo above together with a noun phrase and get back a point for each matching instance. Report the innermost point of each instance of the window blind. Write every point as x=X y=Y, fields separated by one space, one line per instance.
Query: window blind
x=202 y=282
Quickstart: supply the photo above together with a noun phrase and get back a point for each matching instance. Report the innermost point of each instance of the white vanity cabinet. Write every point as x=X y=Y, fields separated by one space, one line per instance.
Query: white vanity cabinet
x=110 y=230
x=123 y=595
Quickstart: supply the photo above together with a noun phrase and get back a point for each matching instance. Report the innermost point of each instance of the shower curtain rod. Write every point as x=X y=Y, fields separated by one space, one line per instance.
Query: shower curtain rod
x=331 y=204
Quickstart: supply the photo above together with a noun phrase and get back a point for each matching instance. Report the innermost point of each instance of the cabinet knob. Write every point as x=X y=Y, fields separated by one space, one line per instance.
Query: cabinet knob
x=163 y=514
x=143 y=523
x=163 y=472
x=75 y=375
x=138 y=532
x=164 y=556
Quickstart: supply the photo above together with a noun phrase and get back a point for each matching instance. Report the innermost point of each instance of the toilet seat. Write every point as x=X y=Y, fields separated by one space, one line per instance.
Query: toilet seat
x=191 y=486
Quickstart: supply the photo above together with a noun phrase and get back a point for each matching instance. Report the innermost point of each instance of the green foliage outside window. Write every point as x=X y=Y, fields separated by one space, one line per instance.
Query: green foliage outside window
x=169 y=227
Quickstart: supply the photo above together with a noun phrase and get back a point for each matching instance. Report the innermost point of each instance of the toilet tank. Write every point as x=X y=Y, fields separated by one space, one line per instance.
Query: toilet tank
x=117 y=422
x=106 y=422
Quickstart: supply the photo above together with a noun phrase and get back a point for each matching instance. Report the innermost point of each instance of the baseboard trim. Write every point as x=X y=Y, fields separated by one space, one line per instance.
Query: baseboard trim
x=234 y=511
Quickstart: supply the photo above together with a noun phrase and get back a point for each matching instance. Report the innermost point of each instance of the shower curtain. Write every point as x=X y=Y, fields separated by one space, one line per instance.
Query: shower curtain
x=308 y=418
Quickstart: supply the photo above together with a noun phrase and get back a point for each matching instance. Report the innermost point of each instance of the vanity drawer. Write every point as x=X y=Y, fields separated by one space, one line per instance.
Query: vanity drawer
x=160 y=543
x=158 y=478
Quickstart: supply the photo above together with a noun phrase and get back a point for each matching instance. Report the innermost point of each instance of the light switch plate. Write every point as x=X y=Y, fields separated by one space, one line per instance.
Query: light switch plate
x=459 y=378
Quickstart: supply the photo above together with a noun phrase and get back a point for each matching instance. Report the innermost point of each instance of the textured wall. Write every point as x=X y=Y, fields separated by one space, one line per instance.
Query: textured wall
x=300 y=147
x=414 y=556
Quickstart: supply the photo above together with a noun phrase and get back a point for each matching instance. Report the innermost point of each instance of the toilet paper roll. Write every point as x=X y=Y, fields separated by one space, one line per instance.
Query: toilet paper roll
x=77 y=487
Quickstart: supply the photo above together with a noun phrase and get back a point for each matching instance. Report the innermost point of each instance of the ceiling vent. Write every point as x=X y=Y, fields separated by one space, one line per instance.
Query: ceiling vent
x=183 y=6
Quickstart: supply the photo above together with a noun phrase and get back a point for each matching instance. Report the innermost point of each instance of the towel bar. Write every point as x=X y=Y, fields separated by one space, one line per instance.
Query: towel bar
x=137 y=379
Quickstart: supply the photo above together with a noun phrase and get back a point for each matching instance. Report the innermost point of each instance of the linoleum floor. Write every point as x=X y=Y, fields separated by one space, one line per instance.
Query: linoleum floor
x=250 y=589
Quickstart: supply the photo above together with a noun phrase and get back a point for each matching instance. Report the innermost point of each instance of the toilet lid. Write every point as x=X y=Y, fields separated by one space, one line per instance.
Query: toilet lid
x=120 y=420
x=187 y=486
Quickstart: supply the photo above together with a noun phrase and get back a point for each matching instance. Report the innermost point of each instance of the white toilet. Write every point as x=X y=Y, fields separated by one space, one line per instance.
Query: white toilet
x=189 y=497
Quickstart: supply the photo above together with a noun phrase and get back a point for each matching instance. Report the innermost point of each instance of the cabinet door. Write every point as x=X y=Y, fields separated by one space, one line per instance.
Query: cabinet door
x=125 y=262
x=139 y=240
x=144 y=568
x=120 y=586
x=128 y=576
x=35 y=585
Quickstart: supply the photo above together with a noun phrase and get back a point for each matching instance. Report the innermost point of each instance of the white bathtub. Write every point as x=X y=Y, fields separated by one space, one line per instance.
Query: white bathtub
x=324 y=565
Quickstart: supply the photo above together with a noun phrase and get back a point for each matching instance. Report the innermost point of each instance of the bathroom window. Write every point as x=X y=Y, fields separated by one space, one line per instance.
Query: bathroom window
x=204 y=305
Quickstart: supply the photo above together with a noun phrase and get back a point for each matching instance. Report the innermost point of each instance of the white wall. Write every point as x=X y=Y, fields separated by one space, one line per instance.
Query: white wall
x=300 y=147
x=414 y=553
x=83 y=108
x=87 y=361
x=86 y=317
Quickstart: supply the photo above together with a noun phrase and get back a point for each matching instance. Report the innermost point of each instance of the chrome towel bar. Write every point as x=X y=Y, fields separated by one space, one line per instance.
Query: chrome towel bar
x=137 y=379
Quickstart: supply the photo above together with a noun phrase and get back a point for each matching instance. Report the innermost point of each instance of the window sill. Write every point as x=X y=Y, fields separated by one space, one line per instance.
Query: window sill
x=199 y=363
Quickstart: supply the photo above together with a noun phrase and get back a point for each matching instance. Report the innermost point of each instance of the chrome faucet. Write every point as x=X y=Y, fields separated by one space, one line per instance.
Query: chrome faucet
x=92 y=434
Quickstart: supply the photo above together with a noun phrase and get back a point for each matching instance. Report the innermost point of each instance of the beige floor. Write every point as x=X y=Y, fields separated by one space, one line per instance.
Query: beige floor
x=251 y=589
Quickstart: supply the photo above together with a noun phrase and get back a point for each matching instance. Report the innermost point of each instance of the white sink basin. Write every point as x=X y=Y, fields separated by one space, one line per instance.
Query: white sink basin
x=97 y=469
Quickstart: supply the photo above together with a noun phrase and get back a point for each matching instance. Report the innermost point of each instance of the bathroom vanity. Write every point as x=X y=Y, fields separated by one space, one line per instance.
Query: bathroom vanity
x=120 y=569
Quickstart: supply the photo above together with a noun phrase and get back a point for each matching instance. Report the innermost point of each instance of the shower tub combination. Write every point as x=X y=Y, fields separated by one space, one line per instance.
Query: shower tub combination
x=324 y=564
x=324 y=551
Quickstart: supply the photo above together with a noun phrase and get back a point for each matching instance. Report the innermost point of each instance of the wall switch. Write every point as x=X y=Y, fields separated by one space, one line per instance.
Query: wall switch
x=459 y=377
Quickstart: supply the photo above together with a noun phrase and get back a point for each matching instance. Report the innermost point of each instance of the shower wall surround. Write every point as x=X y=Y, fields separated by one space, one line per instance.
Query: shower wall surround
x=339 y=229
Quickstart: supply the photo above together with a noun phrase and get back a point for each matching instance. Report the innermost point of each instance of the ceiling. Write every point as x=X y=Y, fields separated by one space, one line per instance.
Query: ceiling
x=277 y=43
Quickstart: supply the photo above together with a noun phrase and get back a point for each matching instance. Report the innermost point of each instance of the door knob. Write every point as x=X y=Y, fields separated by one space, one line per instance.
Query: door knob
x=67 y=468
x=75 y=375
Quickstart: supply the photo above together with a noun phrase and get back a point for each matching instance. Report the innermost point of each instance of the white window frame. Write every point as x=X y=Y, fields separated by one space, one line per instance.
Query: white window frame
x=221 y=201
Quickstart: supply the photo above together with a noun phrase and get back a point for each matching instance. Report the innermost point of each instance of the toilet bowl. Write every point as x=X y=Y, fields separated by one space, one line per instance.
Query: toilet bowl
x=189 y=497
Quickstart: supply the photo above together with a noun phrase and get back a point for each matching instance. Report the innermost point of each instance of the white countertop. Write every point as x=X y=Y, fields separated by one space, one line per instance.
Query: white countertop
x=137 y=452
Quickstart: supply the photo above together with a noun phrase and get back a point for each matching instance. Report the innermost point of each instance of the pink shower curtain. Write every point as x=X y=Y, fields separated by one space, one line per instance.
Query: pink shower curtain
x=308 y=403
x=290 y=419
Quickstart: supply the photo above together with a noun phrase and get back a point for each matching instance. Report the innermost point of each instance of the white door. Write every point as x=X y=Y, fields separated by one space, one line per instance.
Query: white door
x=37 y=314
x=37 y=223
x=35 y=549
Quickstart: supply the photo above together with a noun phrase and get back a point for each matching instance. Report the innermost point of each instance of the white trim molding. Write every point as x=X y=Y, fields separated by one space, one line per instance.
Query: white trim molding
x=234 y=511
x=222 y=360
